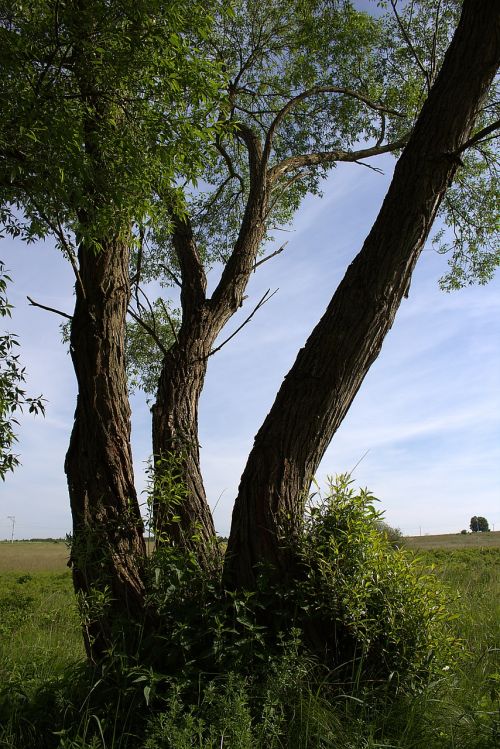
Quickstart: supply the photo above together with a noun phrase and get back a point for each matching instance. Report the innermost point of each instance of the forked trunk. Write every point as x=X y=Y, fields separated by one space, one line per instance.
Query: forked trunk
x=108 y=550
x=182 y=515
x=329 y=370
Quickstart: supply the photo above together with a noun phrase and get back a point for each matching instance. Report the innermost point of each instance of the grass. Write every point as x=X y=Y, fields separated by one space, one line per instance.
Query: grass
x=41 y=653
x=489 y=540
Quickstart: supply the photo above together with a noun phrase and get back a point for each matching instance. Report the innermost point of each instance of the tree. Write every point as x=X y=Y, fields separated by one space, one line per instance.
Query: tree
x=290 y=122
x=95 y=123
x=479 y=524
x=329 y=370
x=12 y=393
x=307 y=84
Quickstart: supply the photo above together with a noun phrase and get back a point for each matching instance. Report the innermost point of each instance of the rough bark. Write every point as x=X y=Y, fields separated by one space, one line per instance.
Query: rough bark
x=108 y=548
x=329 y=370
x=175 y=413
x=187 y=522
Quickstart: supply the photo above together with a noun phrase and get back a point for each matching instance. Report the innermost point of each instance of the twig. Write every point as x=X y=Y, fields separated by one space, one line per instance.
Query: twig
x=149 y=330
x=48 y=309
x=410 y=45
x=369 y=166
x=434 y=42
x=170 y=321
x=268 y=257
x=267 y=296
x=479 y=136
x=172 y=275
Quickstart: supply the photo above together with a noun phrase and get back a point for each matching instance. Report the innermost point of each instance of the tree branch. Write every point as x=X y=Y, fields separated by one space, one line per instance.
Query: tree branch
x=314 y=92
x=228 y=293
x=170 y=321
x=148 y=330
x=172 y=275
x=49 y=309
x=193 y=278
x=67 y=250
x=328 y=157
x=268 y=257
x=228 y=161
x=479 y=136
x=410 y=45
x=267 y=296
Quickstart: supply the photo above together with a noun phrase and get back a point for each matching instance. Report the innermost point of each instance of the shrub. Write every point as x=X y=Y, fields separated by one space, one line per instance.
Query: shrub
x=357 y=602
x=364 y=601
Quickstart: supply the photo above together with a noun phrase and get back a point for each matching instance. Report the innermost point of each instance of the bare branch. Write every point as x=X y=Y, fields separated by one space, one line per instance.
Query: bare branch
x=229 y=162
x=194 y=281
x=227 y=295
x=369 y=166
x=434 y=43
x=267 y=296
x=328 y=157
x=273 y=254
x=172 y=275
x=170 y=321
x=138 y=268
x=49 y=309
x=381 y=137
x=480 y=136
x=252 y=142
x=57 y=229
x=410 y=45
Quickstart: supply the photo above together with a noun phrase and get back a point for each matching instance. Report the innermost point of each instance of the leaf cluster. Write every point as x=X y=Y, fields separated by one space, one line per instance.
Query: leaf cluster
x=13 y=397
x=104 y=102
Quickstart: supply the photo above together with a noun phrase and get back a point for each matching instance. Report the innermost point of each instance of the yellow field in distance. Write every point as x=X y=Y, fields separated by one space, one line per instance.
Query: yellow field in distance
x=489 y=540
x=49 y=556
x=33 y=556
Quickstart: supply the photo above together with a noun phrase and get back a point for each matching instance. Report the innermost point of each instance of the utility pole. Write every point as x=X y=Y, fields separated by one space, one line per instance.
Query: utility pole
x=12 y=519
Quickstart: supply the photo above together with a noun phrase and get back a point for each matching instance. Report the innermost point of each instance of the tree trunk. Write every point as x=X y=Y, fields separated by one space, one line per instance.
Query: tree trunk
x=187 y=520
x=181 y=512
x=329 y=370
x=108 y=549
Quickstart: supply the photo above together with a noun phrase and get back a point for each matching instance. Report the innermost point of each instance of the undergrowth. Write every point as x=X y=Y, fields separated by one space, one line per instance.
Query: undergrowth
x=364 y=650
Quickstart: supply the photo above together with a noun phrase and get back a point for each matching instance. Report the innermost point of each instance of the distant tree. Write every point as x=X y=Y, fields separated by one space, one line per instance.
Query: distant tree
x=463 y=532
x=393 y=535
x=479 y=524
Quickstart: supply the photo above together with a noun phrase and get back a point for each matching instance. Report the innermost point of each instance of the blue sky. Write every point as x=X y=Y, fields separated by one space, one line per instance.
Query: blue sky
x=427 y=415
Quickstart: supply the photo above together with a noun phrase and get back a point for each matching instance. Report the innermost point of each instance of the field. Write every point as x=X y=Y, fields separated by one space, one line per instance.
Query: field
x=33 y=556
x=489 y=540
x=41 y=655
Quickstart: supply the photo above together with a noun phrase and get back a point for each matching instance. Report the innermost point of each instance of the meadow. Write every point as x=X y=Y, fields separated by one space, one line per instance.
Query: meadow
x=43 y=703
x=450 y=541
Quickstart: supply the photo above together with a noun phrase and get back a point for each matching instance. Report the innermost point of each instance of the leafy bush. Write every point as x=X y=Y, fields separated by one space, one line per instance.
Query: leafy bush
x=367 y=604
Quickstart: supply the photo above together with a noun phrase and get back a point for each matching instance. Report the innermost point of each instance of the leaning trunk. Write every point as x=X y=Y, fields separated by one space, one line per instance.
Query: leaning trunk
x=329 y=370
x=108 y=548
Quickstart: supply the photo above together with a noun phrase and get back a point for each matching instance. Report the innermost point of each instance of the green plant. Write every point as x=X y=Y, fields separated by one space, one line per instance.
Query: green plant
x=393 y=535
x=380 y=615
x=13 y=396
